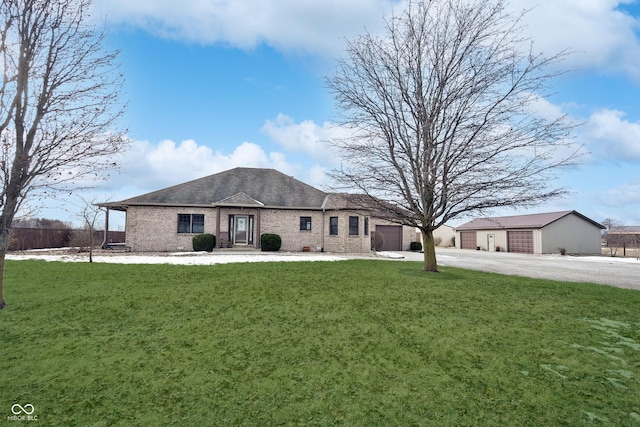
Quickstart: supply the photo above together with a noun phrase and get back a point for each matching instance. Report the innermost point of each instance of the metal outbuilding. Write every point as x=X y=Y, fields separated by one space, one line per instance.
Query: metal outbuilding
x=544 y=233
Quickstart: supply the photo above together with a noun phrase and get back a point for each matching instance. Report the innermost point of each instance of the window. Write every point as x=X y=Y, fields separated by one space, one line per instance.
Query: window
x=333 y=225
x=190 y=223
x=354 y=225
x=305 y=223
x=366 y=226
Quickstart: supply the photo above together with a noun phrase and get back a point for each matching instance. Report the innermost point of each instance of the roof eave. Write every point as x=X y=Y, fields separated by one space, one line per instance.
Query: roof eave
x=125 y=205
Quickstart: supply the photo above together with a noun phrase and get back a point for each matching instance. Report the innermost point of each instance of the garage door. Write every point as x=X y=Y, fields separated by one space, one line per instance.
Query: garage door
x=392 y=237
x=520 y=242
x=468 y=240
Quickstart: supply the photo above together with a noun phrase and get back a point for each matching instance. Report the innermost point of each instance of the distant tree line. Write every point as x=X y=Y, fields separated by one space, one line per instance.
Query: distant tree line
x=41 y=223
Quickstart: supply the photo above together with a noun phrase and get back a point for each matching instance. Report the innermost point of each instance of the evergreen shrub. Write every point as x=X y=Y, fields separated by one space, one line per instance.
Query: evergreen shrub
x=204 y=242
x=270 y=242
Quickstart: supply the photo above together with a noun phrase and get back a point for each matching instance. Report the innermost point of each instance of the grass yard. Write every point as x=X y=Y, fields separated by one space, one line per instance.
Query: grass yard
x=354 y=343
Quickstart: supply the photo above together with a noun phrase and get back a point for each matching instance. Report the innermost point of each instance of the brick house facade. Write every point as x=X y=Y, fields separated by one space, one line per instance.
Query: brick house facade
x=240 y=204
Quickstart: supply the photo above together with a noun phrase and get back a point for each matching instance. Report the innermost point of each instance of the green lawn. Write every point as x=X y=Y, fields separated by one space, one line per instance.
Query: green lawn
x=355 y=343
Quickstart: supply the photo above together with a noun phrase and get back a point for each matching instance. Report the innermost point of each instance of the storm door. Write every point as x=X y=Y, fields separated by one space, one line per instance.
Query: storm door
x=241 y=229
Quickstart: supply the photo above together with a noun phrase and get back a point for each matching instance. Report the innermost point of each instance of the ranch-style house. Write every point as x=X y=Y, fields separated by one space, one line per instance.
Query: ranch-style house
x=239 y=205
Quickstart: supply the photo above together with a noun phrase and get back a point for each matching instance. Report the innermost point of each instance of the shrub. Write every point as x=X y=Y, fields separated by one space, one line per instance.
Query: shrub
x=270 y=242
x=204 y=242
x=80 y=239
x=415 y=246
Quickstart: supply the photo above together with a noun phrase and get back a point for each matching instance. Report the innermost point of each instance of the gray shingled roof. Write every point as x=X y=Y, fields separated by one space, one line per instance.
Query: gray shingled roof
x=533 y=221
x=235 y=186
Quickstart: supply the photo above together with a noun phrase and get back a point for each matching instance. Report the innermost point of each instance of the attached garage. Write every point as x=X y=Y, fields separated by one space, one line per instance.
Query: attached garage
x=532 y=234
x=468 y=240
x=392 y=237
x=520 y=242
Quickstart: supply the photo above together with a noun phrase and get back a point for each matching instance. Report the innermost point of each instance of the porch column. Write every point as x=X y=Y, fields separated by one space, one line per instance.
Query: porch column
x=257 y=226
x=218 y=239
x=106 y=229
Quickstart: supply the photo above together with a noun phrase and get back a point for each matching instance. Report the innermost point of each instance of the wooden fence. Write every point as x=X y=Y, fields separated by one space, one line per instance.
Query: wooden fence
x=22 y=239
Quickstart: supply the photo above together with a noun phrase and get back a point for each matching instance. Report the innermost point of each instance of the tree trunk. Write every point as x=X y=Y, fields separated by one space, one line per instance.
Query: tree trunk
x=3 y=303
x=429 y=247
x=4 y=246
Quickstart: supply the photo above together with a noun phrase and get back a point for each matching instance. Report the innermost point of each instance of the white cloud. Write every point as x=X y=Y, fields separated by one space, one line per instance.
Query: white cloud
x=543 y=108
x=306 y=137
x=317 y=177
x=290 y=25
x=149 y=167
x=601 y=35
x=623 y=196
x=611 y=137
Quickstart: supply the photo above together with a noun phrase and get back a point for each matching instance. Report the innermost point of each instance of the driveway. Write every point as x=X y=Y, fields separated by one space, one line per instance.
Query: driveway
x=620 y=272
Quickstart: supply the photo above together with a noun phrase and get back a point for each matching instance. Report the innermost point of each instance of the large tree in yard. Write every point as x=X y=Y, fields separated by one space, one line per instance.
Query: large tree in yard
x=59 y=101
x=444 y=117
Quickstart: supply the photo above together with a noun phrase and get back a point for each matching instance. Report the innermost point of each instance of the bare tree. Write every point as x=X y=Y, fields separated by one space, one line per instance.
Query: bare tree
x=611 y=240
x=59 y=103
x=89 y=214
x=441 y=116
x=618 y=236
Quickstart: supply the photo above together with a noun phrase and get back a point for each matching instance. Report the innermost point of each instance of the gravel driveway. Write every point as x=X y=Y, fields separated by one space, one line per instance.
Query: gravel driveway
x=620 y=272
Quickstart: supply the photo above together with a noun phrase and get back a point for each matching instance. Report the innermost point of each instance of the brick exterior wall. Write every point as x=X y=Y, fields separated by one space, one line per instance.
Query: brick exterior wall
x=155 y=229
x=343 y=242
x=286 y=223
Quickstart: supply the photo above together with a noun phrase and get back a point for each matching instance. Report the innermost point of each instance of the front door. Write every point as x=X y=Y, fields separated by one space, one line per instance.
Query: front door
x=241 y=230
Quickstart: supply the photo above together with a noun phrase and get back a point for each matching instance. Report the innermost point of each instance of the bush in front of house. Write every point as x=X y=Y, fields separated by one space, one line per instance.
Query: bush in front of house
x=415 y=246
x=270 y=242
x=204 y=242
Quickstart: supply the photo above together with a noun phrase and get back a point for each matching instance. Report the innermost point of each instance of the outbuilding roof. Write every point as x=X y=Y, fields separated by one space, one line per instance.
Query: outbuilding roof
x=625 y=229
x=239 y=186
x=531 y=221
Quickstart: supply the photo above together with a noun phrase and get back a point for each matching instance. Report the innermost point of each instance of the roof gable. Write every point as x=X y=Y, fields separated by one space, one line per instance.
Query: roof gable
x=239 y=199
x=253 y=186
x=534 y=221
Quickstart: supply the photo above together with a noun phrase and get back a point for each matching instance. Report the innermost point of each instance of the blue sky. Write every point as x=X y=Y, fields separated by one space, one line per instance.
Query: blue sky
x=215 y=85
